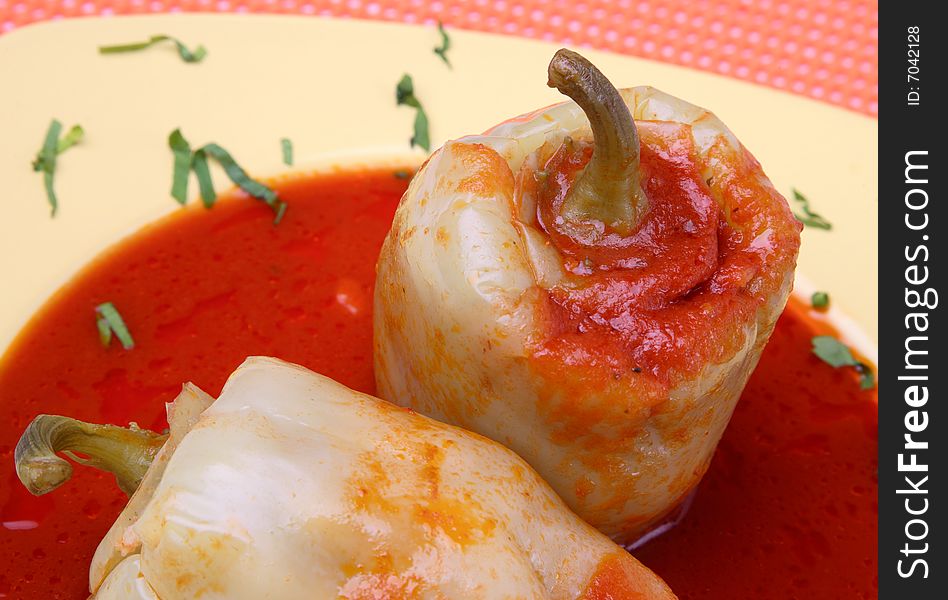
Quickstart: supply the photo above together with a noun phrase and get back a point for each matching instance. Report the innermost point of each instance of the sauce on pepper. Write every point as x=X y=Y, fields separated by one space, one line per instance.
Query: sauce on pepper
x=787 y=509
x=660 y=304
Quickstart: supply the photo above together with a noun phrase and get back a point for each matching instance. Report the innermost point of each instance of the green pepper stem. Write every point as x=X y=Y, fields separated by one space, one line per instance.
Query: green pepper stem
x=126 y=453
x=608 y=189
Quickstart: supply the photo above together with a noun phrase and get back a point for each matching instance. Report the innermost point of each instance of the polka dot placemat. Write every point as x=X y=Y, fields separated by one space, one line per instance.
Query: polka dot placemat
x=824 y=49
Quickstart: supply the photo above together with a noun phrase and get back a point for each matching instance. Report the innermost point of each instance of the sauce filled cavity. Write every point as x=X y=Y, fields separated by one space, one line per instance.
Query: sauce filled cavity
x=703 y=258
x=787 y=508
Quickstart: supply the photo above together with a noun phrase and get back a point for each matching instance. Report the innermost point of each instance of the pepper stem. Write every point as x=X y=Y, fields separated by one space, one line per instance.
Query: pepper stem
x=608 y=189
x=126 y=453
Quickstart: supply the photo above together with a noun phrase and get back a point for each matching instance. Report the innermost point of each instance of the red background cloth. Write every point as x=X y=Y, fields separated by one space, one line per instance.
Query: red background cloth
x=824 y=49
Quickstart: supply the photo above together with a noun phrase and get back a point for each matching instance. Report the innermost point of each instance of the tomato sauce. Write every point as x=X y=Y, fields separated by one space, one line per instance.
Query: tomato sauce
x=787 y=509
x=705 y=255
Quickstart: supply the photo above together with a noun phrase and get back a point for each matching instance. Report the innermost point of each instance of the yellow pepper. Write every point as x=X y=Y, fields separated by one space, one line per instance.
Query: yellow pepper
x=591 y=285
x=292 y=486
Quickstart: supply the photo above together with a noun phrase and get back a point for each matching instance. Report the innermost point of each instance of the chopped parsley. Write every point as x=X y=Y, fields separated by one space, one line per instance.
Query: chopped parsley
x=187 y=160
x=109 y=321
x=287 y=146
x=820 y=300
x=187 y=55
x=867 y=379
x=45 y=161
x=182 y=166
x=834 y=353
x=202 y=172
x=442 y=50
x=405 y=95
x=809 y=218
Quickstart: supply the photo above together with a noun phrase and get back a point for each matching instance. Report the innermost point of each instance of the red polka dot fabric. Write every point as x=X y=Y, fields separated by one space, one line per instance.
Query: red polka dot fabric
x=823 y=49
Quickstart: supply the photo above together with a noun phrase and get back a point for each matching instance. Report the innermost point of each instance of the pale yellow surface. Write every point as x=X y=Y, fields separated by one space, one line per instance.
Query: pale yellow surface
x=329 y=85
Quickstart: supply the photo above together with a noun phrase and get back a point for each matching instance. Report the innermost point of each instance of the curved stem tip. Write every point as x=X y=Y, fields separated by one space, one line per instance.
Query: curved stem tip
x=608 y=190
x=126 y=453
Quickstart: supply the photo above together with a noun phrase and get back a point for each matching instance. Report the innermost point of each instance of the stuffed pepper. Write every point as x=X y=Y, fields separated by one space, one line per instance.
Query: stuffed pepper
x=292 y=486
x=591 y=285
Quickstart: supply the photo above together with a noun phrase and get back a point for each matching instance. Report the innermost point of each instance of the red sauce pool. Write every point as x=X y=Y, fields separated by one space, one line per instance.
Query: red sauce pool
x=787 y=510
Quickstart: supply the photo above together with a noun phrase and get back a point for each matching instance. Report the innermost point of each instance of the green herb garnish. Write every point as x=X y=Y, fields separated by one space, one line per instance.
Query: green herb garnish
x=820 y=300
x=182 y=166
x=867 y=379
x=832 y=351
x=109 y=321
x=445 y=45
x=280 y=211
x=203 y=173
x=836 y=354
x=287 y=145
x=186 y=160
x=45 y=160
x=402 y=174
x=809 y=218
x=105 y=332
x=72 y=137
x=188 y=56
x=405 y=94
x=237 y=174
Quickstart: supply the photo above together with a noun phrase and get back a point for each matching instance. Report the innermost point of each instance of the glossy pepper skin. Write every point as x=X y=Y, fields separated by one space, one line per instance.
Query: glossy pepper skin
x=291 y=486
x=612 y=367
